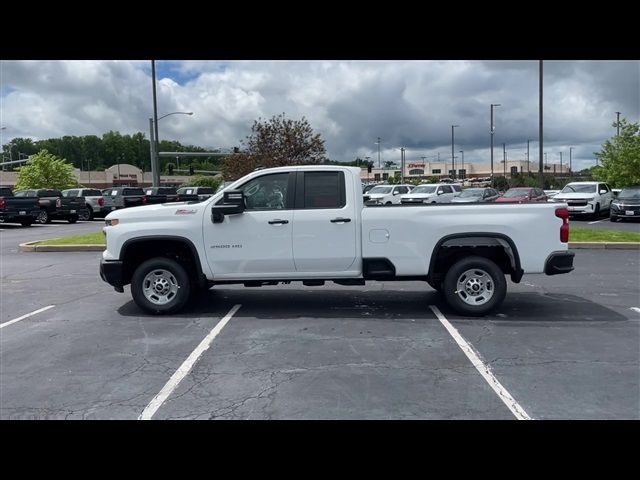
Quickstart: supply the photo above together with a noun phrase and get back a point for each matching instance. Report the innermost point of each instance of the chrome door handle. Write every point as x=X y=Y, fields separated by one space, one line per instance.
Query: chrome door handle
x=277 y=221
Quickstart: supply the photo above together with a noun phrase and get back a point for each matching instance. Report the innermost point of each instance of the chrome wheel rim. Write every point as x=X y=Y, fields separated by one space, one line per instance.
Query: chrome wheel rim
x=84 y=215
x=160 y=286
x=42 y=216
x=475 y=287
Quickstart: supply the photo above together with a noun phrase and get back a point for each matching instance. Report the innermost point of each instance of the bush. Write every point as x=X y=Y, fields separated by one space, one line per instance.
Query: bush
x=203 y=181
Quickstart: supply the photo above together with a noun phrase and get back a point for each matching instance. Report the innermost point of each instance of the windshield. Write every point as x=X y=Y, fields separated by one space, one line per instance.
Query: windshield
x=579 y=189
x=516 y=193
x=472 y=192
x=380 y=190
x=629 y=194
x=424 y=189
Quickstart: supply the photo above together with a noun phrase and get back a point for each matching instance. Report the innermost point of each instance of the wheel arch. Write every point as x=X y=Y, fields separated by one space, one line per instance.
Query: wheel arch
x=475 y=243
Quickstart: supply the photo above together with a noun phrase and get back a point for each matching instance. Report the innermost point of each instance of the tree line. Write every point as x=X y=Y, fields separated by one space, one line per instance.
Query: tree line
x=98 y=153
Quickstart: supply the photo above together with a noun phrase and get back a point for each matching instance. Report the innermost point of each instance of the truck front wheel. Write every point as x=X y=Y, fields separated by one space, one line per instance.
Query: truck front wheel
x=160 y=285
x=474 y=286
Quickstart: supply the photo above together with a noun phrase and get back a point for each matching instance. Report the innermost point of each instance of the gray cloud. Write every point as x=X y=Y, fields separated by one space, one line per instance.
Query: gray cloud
x=407 y=103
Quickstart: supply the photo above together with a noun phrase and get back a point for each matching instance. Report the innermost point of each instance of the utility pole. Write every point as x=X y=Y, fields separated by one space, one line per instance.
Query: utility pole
x=453 y=166
x=570 y=170
x=463 y=172
x=378 y=142
x=560 y=163
x=492 y=131
x=528 y=163
x=504 y=158
x=154 y=160
x=540 y=131
x=618 y=123
x=401 y=164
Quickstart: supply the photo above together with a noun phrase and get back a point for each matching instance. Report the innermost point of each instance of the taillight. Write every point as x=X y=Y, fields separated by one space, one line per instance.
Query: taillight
x=101 y=202
x=2 y=203
x=58 y=203
x=563 y=213
x=144 y=199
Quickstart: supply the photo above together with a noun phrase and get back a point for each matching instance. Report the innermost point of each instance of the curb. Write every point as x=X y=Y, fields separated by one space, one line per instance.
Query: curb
x=606 y=245
x=31 y=247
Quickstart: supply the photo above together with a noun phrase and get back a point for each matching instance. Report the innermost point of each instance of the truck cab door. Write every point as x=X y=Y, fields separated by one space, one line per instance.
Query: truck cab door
x=256 y=242
x=324 y=223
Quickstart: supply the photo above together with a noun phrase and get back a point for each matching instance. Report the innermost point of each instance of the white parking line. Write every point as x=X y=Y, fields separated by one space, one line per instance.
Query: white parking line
x=484 y=370
x=597 y=221
x=185 y=368
x=6 y=324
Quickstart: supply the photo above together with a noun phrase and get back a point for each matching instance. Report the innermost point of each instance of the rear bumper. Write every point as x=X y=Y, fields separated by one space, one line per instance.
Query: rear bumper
x=559 y=262
x=15 y=216
x=111 y=272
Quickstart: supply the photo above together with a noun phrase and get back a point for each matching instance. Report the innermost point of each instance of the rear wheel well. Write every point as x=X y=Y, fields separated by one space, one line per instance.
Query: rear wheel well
x=182 y=251
x=446 y=256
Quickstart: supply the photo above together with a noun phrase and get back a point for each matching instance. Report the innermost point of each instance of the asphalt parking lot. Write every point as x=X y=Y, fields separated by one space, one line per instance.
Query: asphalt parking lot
x=565 y=347
x=626 y=225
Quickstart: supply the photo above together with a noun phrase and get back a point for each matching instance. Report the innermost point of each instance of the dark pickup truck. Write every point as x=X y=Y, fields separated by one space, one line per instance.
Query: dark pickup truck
x=53 y=206
x=201 y=192
x=16 y=209
x=123 y=197
x=167 y=195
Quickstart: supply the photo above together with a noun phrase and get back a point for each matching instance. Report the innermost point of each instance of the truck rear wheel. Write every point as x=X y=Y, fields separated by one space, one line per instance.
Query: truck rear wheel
x=160 y=285
x=474 y=286
x=43 y=216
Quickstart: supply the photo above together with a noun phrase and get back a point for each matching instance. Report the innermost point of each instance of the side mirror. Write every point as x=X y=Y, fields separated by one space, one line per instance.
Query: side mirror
x=602 y=192
x=440 y=192
x=233 y=203
x=396 y=192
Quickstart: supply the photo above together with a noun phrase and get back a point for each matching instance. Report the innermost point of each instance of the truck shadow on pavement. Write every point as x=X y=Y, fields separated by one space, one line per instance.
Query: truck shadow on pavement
x=377 y=305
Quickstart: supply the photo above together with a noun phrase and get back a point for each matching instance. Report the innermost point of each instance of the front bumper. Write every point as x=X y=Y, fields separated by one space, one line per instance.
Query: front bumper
x=559 y=262
x=628 y=211
x=111 y=272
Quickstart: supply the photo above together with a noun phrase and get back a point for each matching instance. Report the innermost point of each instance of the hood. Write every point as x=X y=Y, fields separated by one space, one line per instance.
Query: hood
x=373 y=196
x=569 y=196
x=419 y=195
x=466 y=200
x=165 y=209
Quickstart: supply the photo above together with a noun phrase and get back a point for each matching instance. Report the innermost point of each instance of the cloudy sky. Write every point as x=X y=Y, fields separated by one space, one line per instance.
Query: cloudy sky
x=409 y=104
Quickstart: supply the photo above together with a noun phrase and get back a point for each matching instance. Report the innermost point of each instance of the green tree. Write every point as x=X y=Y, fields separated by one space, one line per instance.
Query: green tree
x=203 y=181
x=620 y=157
x=275 y=143
x=45 y=170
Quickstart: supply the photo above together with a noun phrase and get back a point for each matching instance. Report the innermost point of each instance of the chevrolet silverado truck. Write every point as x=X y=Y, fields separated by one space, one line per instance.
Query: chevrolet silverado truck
x=308 y=224
x=16 y=209
x=53 y=206
x=95 y=202
x=124 y=197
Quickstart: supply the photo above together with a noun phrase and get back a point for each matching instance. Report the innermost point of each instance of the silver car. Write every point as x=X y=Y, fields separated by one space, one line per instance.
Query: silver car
x=476 y=195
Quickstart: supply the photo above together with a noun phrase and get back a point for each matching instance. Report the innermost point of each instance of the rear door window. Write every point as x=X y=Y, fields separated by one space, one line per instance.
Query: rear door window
x=324 y=190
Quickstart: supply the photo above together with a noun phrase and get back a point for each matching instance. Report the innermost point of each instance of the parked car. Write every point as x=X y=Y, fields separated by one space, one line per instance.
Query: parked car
x=550 y=194
x=627 y=205
x=522 y=195
x=53 y=206
x=95 y=202
x=124 y=197
x=366 y=188
x=202 y=192
x=387 y=194
x=432 y=193
x=321 y=234
x=17 y=209
x=167 y=195
x=586 y=198
x=476 y=195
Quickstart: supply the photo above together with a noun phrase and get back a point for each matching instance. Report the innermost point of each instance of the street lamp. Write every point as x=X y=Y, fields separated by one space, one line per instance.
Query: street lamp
x=154 y=146
x=570 y=149
x=453 y=167
x=493 y=129
x=528 y=164
x=378 y=143
x=463 y=172
x=504 y=158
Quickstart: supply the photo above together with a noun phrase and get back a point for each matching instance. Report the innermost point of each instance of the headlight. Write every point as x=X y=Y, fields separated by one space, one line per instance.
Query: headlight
x=112 y=222
x=615 y=204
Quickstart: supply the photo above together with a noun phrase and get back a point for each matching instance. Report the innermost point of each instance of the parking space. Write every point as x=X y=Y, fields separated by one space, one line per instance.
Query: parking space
x=561 y=347
x=625 y=225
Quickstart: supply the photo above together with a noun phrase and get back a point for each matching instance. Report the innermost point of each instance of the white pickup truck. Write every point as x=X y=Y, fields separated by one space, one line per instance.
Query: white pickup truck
x=308 y=224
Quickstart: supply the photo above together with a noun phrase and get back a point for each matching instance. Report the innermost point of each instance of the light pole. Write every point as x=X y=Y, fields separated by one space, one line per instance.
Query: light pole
x=463 y=172
x=618 y=123
x=402 y=164
x=528 y=164
x=504 y=158
x=378 y=143
x=453 y=167
x=540 y=130
x=570 y=149
x=560 y=163
x=493 y=129
x=154 y=146
x=366 y=159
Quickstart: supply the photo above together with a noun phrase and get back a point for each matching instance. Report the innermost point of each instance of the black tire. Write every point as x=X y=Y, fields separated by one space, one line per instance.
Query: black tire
x=613 y=218
x=73 y=219
x=388 y=203
x=596 y=212
x=177 y=302
x=437 y=286
x=26 y=223
x=43 y=217
x=455 y=300
x=87 y=214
